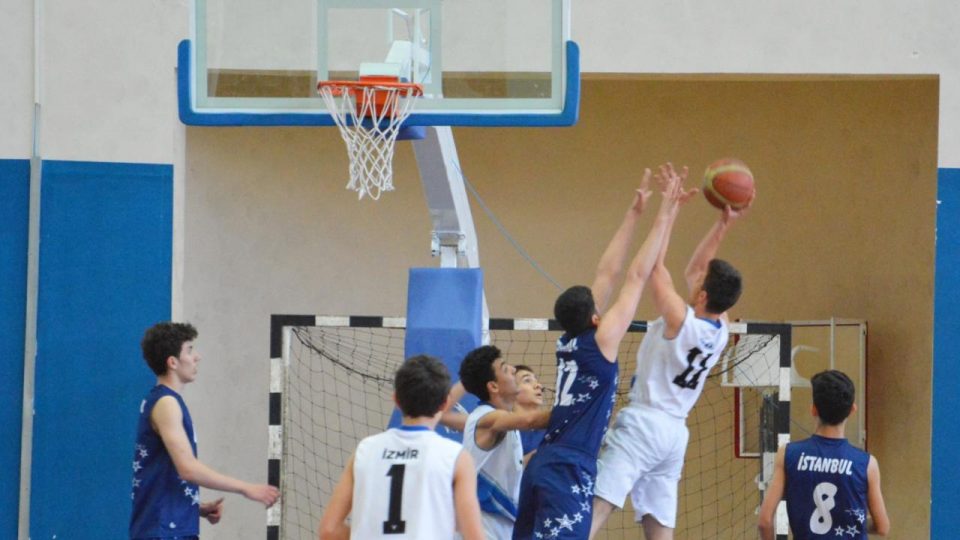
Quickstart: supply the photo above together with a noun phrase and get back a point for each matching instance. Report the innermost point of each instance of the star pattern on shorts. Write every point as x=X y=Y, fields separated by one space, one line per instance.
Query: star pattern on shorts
x=584 y=506
x=852 y=530
x=136 y=482
x=583 y=398
x=137 y=466
x=838 y=531
x=565 y=523
x=575 y=489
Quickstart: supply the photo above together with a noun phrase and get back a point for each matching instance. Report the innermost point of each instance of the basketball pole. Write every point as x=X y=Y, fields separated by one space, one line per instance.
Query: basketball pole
x=33 y=278
x=454 y=238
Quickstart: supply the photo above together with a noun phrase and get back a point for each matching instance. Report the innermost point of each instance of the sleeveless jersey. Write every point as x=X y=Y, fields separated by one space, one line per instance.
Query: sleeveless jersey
x=585 y=393
x=498 y=469
x=403 y=486
x=164 y=505
x=671 y=373
x=826 y=489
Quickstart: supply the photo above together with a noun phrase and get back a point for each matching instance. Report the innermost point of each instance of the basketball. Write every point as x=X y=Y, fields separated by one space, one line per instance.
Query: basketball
x=728 y=181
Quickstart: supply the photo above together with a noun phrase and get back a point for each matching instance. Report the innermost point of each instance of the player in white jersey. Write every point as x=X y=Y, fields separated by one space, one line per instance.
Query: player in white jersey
x=643 y=454
x=408 y=483
x=491 y=436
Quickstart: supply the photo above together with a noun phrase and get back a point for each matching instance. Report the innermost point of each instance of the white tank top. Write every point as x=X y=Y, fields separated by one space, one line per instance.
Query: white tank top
x=671 y=373
x=403 y=486
x=498 y=472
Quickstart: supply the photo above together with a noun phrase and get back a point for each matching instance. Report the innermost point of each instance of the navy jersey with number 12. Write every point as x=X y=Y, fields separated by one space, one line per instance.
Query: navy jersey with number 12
x=586 y=390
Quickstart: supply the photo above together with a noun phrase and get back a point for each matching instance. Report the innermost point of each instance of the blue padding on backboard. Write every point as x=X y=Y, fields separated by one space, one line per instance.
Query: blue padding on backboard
x=190 y=116
x=946 y=369
x=105 y=276
x=14 y=222
x=444 y=319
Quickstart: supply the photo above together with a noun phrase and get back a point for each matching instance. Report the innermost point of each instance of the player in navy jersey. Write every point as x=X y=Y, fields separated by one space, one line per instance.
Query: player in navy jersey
x=556 y=490
x=643 y=454
x=166 y=471
x=829 y=485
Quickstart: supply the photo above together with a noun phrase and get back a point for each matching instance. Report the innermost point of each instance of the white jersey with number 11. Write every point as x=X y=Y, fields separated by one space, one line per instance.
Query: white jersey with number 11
x=671 y=373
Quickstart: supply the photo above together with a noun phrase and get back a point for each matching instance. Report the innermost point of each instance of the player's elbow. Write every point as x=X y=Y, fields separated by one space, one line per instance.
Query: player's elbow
x=188 y=470
x=881 y=527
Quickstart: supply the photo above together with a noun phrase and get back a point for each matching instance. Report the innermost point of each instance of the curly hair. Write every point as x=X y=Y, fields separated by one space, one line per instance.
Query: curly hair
x=163 y=340
x=476 y=370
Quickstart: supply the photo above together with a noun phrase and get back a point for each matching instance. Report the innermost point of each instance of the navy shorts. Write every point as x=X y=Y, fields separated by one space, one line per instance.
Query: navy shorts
x=556 y=495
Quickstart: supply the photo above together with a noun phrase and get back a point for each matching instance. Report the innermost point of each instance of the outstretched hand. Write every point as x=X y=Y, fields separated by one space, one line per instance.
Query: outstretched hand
x=671 y=185
x=642 y=194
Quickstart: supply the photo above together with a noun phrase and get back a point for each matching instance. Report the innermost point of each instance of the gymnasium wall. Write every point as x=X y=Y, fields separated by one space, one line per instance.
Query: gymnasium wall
x=843 y=226
x=109 y=97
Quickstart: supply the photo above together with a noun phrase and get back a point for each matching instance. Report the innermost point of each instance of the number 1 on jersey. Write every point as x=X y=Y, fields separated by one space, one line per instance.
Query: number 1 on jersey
x=394 y=524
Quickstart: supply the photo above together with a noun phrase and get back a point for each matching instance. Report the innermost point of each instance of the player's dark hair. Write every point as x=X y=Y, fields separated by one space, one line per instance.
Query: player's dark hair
x=723 y=286
x=163 y=340
x=833 y=395
x=522 y=367
x=574 y=310
x=421 y=385
x=476 y=370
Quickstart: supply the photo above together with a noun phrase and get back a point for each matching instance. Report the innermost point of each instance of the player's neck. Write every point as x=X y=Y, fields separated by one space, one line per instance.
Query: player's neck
x=831 y=432
x=421 y=421
x=172 y=382
x=502 y=404
x=700 y=311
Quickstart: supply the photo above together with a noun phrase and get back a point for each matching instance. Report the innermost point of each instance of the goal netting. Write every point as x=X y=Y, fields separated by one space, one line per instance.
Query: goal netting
x=335 y=383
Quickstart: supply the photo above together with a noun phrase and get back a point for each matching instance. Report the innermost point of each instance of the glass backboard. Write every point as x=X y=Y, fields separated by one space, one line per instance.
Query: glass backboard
x=480 y=62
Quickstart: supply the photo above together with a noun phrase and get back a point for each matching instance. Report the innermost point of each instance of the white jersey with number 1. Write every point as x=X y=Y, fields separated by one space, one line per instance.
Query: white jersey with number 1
x=403 y=486
x=671 y=373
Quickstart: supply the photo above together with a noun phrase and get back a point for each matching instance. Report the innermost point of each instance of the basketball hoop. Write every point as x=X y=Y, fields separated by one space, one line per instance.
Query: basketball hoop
x=369 y=114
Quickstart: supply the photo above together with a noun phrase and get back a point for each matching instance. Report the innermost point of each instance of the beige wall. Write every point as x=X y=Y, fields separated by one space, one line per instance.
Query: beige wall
x=843 y=226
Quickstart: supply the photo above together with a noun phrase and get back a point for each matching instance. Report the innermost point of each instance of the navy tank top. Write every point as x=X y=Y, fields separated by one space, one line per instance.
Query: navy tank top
x=164 y=505
x=826 y=489
x=585 y=393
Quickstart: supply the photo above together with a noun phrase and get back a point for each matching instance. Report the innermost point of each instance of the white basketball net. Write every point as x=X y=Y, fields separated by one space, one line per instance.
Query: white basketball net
x=370 y=135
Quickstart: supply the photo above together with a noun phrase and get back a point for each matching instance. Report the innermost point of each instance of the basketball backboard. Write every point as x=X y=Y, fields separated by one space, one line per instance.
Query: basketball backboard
x=480 y=62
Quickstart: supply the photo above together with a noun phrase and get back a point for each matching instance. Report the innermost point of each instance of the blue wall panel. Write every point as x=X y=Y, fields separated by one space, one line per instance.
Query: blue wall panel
x=946 y=365
x=105 y=275
x=14 y=218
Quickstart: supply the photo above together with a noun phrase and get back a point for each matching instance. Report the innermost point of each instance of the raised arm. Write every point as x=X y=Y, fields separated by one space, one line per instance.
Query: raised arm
x=610 y=267
x=666 y=300
x=613 y=324
x=167 y=419
x=333 y=524
x=772 y=498
x=879 y=522
x=707 y=249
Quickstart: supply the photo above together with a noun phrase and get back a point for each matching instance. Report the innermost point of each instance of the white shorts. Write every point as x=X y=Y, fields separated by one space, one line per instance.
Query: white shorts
x=643 y=456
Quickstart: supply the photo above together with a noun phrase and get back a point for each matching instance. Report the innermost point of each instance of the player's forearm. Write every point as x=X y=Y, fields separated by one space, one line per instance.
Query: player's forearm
x=615 y=256
x=643 y=262
x=198 y=473
x=706 y=250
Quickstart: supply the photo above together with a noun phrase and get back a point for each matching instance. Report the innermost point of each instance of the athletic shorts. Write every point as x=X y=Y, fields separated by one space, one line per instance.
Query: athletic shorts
x=642 y=456
x=556 y=495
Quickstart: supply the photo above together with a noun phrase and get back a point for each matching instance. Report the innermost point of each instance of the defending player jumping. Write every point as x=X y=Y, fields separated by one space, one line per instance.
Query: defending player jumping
x=643 y=454
x=556 y=490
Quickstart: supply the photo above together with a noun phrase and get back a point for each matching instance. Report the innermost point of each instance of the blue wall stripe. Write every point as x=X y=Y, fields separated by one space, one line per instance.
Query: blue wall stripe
x=14 y=218
x=105 y=275
x=946 y=368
